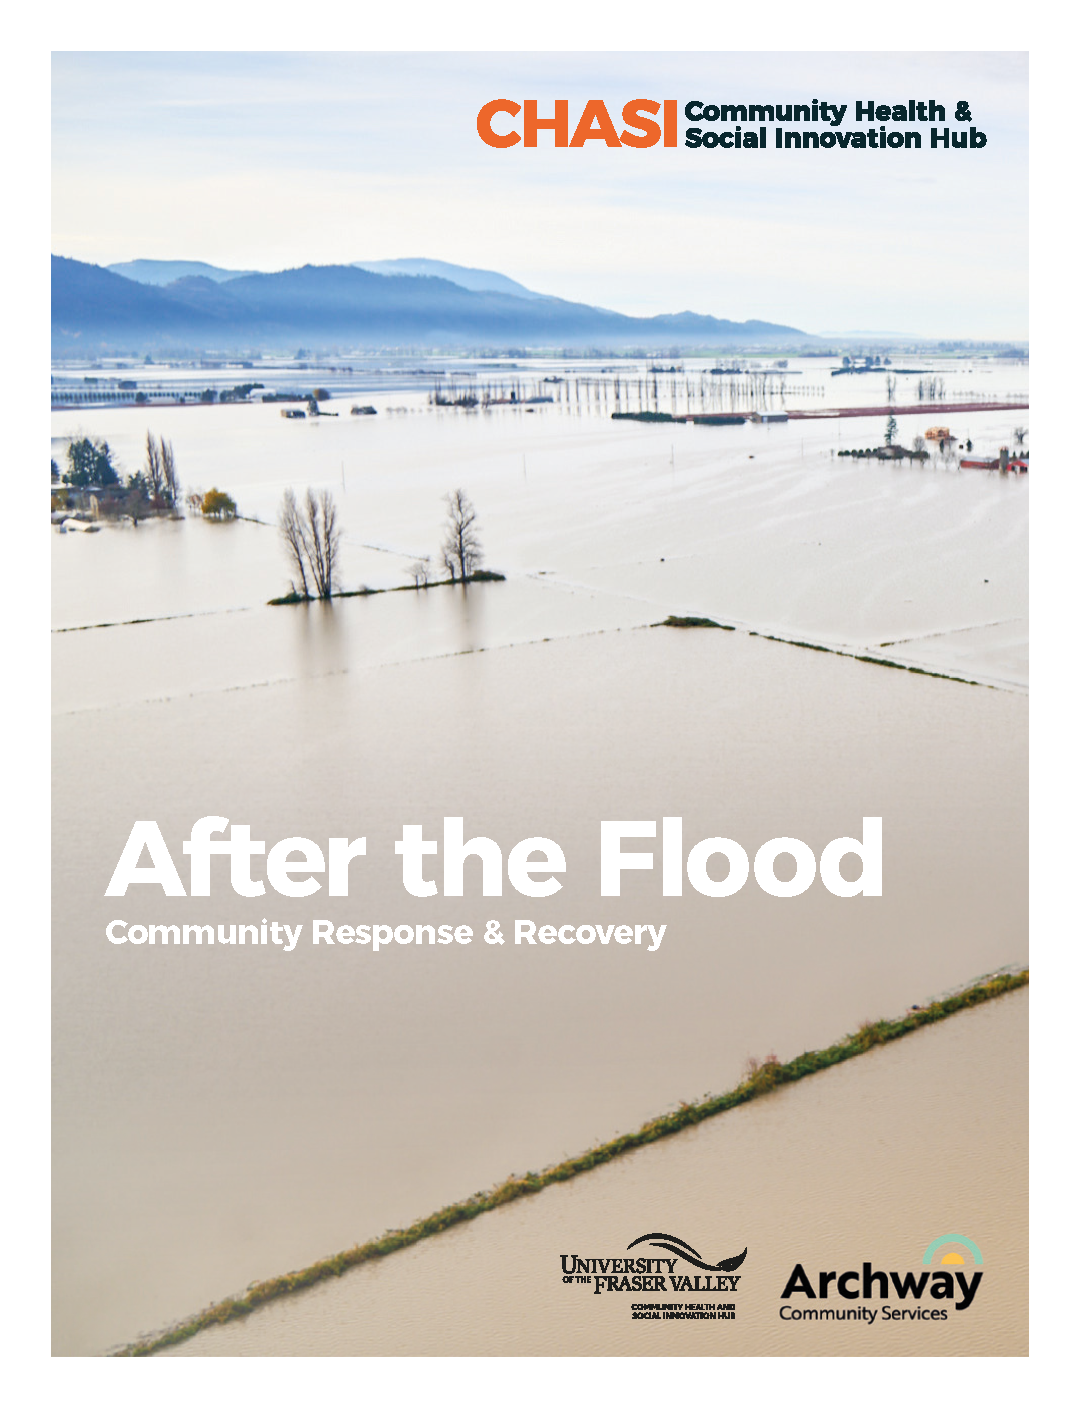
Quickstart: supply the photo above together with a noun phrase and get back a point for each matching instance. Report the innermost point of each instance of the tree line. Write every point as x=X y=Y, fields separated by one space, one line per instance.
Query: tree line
x=152 y=489
x=311 y=536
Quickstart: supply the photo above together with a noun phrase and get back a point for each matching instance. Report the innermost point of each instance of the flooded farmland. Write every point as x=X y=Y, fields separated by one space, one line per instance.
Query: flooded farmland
x=224 y=1114
x=861 y=1137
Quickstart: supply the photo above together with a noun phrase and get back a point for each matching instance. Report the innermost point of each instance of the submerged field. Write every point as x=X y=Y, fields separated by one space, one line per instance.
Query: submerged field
x=224 y=1114
x=863 y=1136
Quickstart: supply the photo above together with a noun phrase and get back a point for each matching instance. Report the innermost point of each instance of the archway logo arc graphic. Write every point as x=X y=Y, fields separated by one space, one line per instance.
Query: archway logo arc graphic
x=928 y=1255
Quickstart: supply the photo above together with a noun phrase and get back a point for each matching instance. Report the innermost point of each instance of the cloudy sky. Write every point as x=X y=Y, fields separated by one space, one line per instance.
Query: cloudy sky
x=270 y=160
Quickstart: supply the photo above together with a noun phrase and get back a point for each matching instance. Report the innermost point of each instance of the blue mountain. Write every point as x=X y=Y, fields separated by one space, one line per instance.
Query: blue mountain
x=340 y=306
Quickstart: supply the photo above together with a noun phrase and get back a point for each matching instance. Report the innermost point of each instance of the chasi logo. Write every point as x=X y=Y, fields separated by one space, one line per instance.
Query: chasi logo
x=951 y=1250
x=652 y=1273
x=594 y=125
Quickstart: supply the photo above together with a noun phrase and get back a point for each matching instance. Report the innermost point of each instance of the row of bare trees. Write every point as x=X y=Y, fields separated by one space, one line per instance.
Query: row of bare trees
x=162 y=485
x=311 y=536
x=461 y=553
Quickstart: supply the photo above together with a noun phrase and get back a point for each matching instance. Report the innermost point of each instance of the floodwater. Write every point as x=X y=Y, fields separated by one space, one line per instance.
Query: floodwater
x=223 y=1114
x=757 y=525
x=918 y=1139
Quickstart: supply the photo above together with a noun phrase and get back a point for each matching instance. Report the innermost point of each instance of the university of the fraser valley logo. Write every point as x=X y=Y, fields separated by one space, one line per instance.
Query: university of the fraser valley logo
x=663 y=1275
x=951 y=1283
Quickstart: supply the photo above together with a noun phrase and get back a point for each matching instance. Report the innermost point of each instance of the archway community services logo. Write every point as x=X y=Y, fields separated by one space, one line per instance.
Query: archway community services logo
x=663 y=1275
x=950 y=1284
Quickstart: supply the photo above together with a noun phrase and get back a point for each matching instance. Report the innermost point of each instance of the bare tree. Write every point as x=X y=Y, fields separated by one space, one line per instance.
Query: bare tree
x=291 y=528
x=461 y=550
x=420 y=572
x=311 y=535
x=322 y=536
x=169 y=481
x=152 y=472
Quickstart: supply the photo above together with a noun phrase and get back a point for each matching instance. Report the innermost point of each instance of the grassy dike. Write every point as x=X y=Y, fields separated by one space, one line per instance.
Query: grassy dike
x=761 y=1078
x=685 y=622
x=296 y=599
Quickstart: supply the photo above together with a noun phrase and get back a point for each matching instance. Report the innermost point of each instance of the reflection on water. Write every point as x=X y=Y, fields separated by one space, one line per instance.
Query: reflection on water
x=319 y=637
x=869 y=1161
x=470 y=622
x=241 y=649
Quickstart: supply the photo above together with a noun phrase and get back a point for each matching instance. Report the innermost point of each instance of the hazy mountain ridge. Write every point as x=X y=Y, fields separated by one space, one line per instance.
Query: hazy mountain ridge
x=166 y=271
x=478 y=280
x=161 y=272
x=322 y=305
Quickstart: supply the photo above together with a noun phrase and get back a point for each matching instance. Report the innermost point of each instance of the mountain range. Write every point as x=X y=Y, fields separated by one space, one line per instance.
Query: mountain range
x=138 y=307
x=167 y=271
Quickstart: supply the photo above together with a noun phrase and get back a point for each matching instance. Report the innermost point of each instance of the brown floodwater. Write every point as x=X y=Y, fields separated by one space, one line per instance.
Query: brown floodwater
x=223 y=1114
x=869 y=1162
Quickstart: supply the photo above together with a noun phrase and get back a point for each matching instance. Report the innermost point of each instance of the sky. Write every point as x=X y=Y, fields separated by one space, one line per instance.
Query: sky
x=272 y=160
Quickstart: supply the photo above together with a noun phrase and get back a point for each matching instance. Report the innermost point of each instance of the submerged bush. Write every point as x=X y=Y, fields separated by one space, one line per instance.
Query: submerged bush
x=217 y=504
